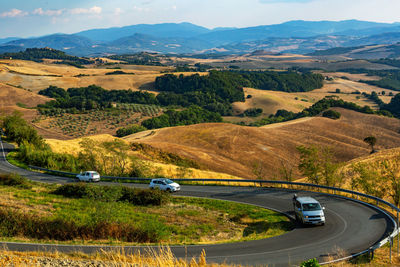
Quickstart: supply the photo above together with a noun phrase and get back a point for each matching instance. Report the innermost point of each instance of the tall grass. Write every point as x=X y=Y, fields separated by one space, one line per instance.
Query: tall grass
x=152 y=257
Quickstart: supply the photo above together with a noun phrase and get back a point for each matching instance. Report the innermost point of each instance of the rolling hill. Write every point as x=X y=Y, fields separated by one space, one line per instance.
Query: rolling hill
x=242 y=151
x=365 y=51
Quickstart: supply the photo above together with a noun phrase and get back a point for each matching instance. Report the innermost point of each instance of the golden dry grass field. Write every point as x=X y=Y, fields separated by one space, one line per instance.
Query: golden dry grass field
x=38 y=76
x=167 y=170
x=243 y=151
x=272 y=101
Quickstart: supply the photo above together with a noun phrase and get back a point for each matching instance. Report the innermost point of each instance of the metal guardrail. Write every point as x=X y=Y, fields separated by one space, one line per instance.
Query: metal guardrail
x=359 y=197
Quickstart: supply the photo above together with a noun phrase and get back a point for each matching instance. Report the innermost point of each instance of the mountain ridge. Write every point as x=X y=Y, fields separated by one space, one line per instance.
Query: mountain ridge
x=176 y=38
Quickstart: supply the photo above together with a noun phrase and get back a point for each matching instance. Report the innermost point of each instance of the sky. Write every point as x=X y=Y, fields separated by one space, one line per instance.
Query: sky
x=30 y=18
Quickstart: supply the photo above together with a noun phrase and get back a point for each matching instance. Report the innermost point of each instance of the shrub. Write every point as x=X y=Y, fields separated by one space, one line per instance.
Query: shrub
x=331 y=114
x=82 y=190
x=140 y=197
x=310 y=263
x=14 y=223
x=253 y=112
x=135 y=128
x=15 y=180
x=144 y=197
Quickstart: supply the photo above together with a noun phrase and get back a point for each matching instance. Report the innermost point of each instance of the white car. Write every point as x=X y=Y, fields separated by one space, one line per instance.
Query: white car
x=164 y=184
x=89 y=176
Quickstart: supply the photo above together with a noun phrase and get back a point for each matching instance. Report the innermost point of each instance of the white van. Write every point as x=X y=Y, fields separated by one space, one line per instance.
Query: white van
x=308 y=210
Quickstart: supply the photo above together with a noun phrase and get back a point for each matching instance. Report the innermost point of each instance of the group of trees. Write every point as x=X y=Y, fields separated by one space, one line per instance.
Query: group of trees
x=289 y=81
x=142 y=58
x=205 y=91
x=38 y=54
x=191 y=115
x=92 y=97
x=318 y=108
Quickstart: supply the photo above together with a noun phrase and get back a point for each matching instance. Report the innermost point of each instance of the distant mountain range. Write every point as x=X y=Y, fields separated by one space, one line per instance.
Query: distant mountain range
x=171 y=38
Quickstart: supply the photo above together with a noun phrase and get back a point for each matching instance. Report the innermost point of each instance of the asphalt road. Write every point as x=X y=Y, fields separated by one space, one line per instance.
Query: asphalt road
x=350 y=227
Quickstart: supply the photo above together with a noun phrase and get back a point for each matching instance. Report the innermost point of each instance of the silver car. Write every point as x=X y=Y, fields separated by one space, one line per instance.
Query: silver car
x=308 y=210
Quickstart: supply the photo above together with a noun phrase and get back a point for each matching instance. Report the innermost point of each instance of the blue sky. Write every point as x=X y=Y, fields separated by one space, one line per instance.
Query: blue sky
x=25 y=18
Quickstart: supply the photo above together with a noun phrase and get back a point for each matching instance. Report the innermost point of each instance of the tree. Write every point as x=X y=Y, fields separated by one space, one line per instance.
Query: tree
x=258 y=170
x=18 y=130
x=318 y=165
x=118 y=150
x=332 y=114
x=391 y=170
x=369 y=180
x=286 y=171
x=371 y=141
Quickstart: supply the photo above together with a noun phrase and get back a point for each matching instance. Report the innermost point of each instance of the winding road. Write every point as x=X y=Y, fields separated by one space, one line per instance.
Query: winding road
x=350 y=227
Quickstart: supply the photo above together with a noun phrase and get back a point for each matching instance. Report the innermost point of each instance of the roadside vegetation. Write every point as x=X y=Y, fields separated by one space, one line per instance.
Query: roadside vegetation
x=89 y=214
x=376 y=175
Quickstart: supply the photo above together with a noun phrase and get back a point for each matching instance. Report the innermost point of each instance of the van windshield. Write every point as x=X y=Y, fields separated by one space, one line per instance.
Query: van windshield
x=311 y=206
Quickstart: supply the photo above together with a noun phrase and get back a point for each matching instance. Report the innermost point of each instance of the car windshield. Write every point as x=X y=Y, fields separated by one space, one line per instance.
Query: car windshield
x=311 y=206
x=168 y=181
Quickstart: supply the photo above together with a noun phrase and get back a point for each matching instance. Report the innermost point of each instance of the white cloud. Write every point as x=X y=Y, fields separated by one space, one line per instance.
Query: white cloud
x=41 y=12
x=93 y=10
x=13 y=13
x=118 y=11
x=141 y=9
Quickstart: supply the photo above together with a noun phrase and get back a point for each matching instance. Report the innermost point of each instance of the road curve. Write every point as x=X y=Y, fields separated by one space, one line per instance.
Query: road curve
x=350 y=227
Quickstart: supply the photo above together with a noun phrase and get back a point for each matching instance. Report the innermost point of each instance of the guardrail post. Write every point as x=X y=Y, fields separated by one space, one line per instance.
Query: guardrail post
x=390 y=251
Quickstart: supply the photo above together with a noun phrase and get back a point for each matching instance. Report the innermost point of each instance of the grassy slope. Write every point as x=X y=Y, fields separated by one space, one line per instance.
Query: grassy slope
x=167 y=170
x=236 y=150
x=182 y=221
x=272 y=101
x=38 y=76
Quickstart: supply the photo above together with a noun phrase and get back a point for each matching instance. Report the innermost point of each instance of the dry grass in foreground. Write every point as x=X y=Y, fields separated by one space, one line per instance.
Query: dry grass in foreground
x=161 y=257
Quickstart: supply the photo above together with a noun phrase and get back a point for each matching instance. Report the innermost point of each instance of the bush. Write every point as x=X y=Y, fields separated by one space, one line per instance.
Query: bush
x=145 y=197
x=331 y=114
x=13 y=223
x=135 y=128
x=15 y=180
x=253 y=112
x=310 y=263
x=140 y=197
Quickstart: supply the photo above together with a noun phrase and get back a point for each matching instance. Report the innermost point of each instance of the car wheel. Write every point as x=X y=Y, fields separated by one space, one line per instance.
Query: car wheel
x=168 y=190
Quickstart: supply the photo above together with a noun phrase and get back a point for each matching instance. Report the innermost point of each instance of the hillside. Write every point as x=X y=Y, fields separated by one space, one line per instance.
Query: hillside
x=38 y=76
x=242 y=151
x=156 y=164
